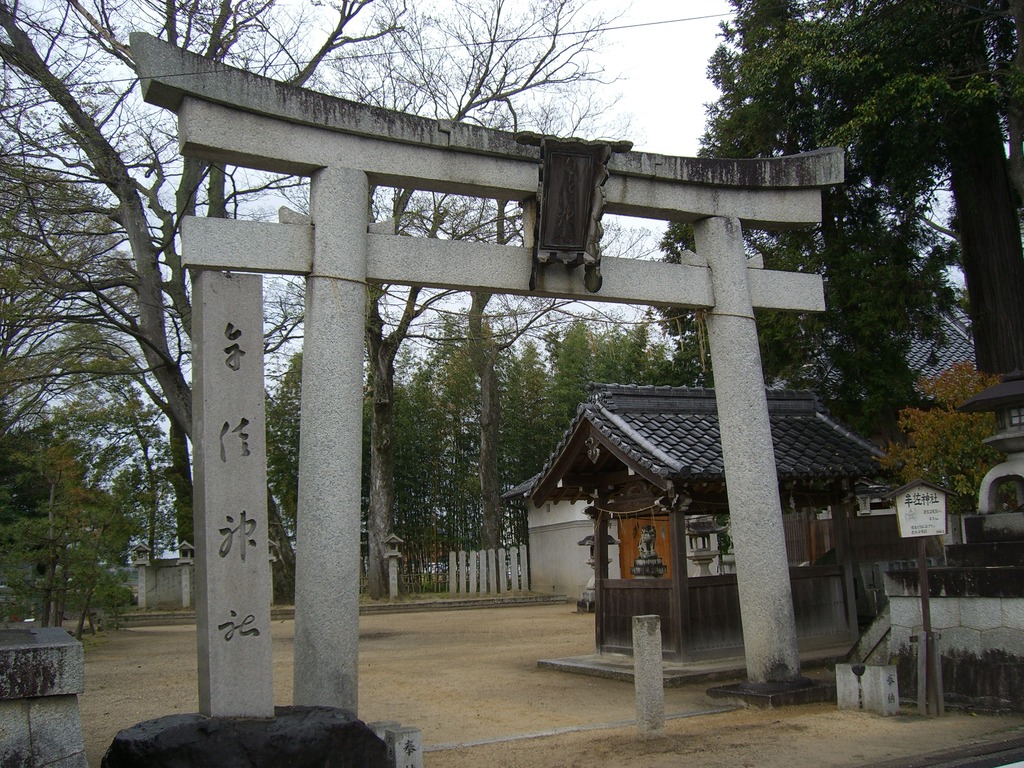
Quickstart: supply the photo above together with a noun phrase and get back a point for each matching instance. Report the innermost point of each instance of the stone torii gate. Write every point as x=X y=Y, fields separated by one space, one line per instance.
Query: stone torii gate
x=229 y=116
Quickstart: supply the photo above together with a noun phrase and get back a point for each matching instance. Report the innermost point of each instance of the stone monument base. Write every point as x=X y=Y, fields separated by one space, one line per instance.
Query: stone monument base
x=785 y=693
x=297 y=737
x=42 y=671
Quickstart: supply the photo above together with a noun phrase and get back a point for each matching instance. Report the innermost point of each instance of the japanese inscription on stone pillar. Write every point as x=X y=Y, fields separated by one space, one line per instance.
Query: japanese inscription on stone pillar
x=232 y=550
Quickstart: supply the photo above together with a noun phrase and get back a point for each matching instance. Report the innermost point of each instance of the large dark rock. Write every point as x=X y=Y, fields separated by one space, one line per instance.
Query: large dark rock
x=297 y=737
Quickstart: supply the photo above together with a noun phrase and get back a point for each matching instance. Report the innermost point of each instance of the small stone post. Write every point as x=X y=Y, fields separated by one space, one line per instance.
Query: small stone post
x=405 y=747
x=648 y=677
x=141 y=562
x=186 y=559
x=873 y=688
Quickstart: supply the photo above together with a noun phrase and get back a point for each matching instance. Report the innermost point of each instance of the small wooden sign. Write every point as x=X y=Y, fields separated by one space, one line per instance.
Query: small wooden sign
x=920 y=509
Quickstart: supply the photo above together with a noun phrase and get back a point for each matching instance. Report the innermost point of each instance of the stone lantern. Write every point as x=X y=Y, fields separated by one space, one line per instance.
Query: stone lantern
x=393 y=554
x=1006 y=400
x=141 y=560
x=699 y=530
x=587 y=600
x=186 y=557
x=140 y=555
x=186 y=553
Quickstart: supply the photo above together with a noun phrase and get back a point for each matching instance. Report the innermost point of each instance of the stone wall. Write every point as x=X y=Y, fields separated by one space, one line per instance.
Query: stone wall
x=979 y=613
x=166 y=585
x=558 y=564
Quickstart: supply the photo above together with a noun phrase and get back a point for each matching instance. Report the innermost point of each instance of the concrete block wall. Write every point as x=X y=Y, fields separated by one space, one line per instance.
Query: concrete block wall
x=982 y=636
x=166 y=585
x=558 y=565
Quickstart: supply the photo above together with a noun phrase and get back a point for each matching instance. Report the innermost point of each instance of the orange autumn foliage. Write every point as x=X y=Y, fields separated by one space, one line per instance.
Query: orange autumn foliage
x=944 y=446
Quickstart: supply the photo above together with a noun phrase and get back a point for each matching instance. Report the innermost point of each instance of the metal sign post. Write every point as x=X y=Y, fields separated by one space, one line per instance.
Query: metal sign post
x=921 y=512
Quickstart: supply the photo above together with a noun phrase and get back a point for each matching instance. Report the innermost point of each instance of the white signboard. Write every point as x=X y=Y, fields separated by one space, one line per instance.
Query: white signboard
x=921 y=510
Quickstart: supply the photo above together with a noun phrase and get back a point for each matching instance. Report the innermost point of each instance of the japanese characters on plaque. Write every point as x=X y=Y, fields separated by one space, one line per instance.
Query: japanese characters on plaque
x=921 y=510
x=232 y=546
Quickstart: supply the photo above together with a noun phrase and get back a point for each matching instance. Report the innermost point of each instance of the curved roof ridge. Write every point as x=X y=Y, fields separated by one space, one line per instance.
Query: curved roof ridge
x=849 y=434
x=641 y=441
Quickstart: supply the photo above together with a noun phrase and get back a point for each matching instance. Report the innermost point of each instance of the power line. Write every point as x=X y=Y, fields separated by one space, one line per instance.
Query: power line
x=569 y=33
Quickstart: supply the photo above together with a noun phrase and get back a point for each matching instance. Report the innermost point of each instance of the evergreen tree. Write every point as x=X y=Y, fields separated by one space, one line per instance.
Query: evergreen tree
x=916 y=93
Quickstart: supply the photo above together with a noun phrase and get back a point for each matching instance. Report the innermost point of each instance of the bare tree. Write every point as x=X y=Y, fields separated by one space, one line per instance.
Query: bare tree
x=71 y=108
x=497 y=63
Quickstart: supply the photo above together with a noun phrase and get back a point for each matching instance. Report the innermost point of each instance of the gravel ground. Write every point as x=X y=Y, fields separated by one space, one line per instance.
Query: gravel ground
x=469 y=679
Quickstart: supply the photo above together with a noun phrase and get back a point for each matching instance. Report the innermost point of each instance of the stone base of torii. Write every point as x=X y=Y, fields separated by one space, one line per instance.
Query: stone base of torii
x=230 y=116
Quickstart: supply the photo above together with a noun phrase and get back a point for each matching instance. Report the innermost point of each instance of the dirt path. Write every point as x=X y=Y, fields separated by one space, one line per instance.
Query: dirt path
x=466 y=677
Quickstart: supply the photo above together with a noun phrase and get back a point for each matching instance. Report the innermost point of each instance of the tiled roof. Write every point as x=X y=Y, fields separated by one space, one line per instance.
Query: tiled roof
x=932 y=357
x=672 y=432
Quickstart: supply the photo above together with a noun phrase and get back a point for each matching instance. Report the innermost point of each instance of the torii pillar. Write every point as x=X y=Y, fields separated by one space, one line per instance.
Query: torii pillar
x=226 y=115
x=755 y=511
x=329 y=502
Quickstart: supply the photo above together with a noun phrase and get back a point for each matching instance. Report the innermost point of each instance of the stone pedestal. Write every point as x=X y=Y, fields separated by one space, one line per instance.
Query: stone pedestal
x=42 y=671
x=393 y=575
x=295 y=736
x=785 y=693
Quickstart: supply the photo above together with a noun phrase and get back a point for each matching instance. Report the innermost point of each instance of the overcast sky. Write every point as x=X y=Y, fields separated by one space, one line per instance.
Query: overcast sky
x=660 y=50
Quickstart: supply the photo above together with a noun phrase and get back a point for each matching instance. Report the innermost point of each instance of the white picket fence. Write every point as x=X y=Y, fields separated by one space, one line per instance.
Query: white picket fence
x=489 y=571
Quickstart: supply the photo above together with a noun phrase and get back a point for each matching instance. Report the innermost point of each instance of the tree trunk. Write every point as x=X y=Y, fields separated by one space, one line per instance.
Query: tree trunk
x=50 y=587
x=283 y=567
x=179 y=474
x=80 y=628
x=1015 y=109
x=382 y=463
x=990 y=236
x=484 y=355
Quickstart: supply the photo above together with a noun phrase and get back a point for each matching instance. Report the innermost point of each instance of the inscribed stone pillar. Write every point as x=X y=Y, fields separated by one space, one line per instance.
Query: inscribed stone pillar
x=233 y=583
x=762 y=567
x=330 y=447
